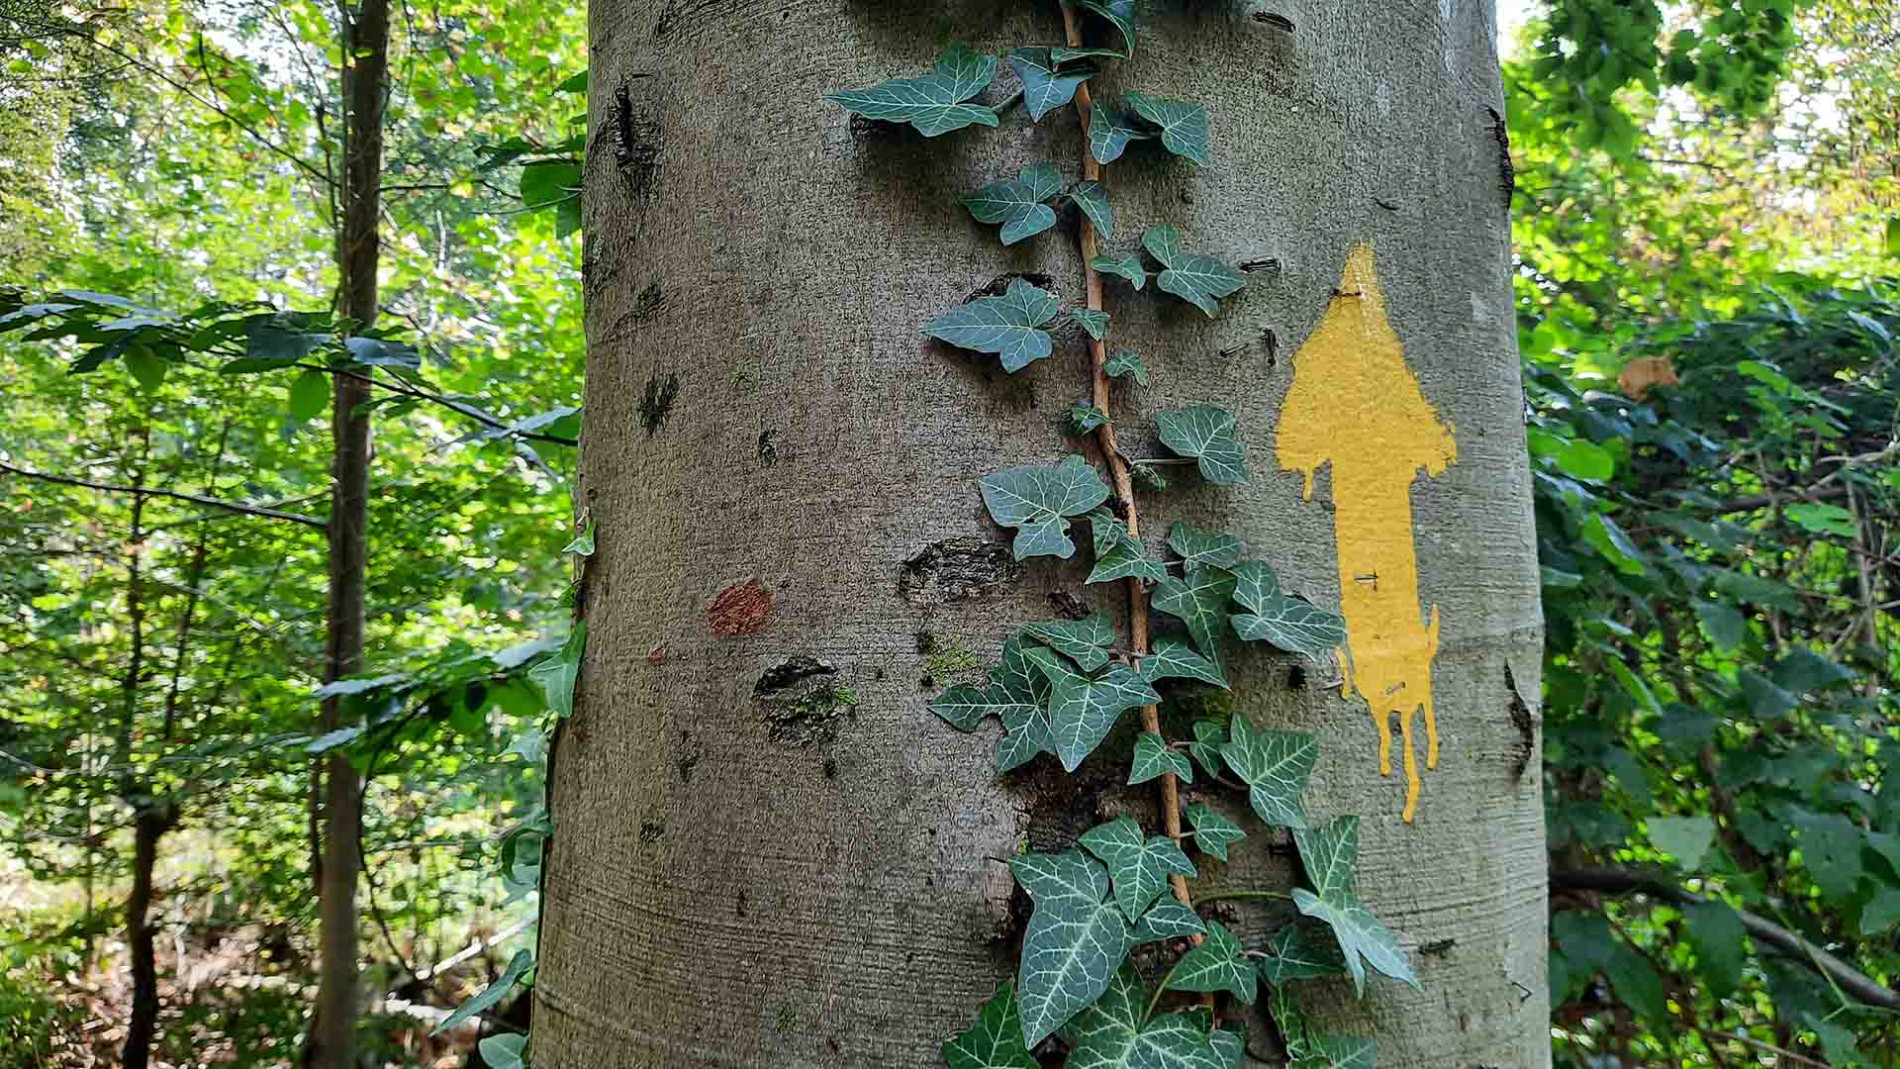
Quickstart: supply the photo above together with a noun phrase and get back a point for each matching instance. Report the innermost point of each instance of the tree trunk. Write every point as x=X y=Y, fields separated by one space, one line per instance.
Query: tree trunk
x=149 y=825
x=747 y=868
x=366 y=40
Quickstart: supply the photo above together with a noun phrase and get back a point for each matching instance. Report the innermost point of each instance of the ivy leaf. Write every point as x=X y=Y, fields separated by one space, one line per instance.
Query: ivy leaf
x=1083 y=641
x=1092 y=198
x=1017 y=203
x=1201 y=281
x=1138 y=866
x=1129 y=268
x=1037 y=501
x=964 y=706
x=1096 y=323
x=556 y=675
x=504 y=1051
x=1275 y=766
x=1119 y=555
x=1197 y=547
x=1339 y=1052
x=518 y=966
x=1044 y=88
x=1230 y=1048
x=1255 y=585
x=1075 y=941
x=1110 y=131
x=1300 y=952
x=1083 y=710
x=1212 y=831
x=1119 y=12
x=1184 y=126
x=1017 y=674
x=1007 y=326
x=1111 y=1034
x=1200 y=599
x=1126 y=362
x=1218 y=964
x=1328 y=854
x=1082 y=418
x=1172 y=658
x=1294 y=625
x=1168 y=919
x=934 y=103
x=1154 y=757
x=1209 y=737
x=995 y=1041
x=1065 y=54
x=1205 y=433
x=1163 y=243
x=1026 y=735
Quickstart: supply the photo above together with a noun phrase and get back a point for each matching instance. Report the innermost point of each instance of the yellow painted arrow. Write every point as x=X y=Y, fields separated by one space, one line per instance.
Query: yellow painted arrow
x=1356 y=405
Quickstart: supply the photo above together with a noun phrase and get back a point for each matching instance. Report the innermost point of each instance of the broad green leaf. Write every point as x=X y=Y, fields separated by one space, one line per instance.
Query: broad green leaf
x=1802 y=671
x=518 y=966
x=1822 y=519
x=1726 y=627
x=504 y=1051
x=1119 y=555
x=1218 y=964
x=309 y=392
x=1339 y=1052
x=1038 y=501
x=1294 y=625
x=1008 y=326
x=1168 y=919
x=1329 y=855
x=995 y=1041
x=1275 y=766
x=1300 y=951
x=583 y=544
x=1125 y=362
x=1615 y=546
x=1093 y=200
x=1119 y=12
x=1017 y=203
x=1044 y=87
x=1721 y=947
x=1027 y=734
x=1129 y=268
x=1765 y=700
x=1082 y=418
x=1184 y=126
x=1096 y=323
x=1205 y=433
x=1687 y=839
x=381 y=352
x=556 y=675
x=277 y=341
x=1153 y=757
x=1831 y=849
x=1212 y=831
x=1255 y=584
x=1163 y=243
x=1230 y=1048
x=1111 y=1034
x=547 y=182
x=1199 y=599
x=935 y=103
x=1082 y=710
x=1139 y=866
x=1201 y=281
x=1172 y=658
x=1209 y=737
x=1755 y=590
x=146 y=367
x=1110 y=131
x=964 y=706
x=1197 y=547
x=1075 y=941
x=1084 y=641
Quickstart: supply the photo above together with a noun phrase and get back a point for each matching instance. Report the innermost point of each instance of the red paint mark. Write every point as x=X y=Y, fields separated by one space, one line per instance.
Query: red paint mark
x=740 y=609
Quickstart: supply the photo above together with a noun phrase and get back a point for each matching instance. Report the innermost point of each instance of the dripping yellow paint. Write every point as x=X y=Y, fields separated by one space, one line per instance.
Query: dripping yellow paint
x=1356 y=406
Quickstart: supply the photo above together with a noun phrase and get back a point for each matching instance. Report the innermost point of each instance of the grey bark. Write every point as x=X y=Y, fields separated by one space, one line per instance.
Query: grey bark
x=739 y=880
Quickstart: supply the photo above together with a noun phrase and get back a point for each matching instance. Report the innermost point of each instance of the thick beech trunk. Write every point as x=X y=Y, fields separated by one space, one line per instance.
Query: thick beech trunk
x=748 y=870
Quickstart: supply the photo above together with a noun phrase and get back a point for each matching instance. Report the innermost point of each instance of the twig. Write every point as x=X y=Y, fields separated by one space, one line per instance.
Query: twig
x=142 y=492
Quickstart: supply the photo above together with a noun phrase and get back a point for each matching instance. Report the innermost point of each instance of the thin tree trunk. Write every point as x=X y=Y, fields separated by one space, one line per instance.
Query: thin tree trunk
x=749 y=869
x=149 y=825
x=366 y=43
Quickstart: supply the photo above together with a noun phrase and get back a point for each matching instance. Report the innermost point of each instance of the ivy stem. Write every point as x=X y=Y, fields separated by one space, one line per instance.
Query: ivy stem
x=1117 y=464
x=1229 y=896
x=1155 y=999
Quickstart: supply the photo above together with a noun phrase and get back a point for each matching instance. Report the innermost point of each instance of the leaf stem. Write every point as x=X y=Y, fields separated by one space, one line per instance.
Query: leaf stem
x=1230 y=896
x=1155 y=999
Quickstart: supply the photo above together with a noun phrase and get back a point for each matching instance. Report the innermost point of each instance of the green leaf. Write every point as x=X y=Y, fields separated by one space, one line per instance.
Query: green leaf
x=1213 y=832
x=1822 y=519
x=1007 y=326
x=1092 y=198
x=995 y=1041
x=1154 y=757
x=1168 y=919
x=1755 y=590
x=1017 y=203
x=275 y=341
x=1205 y=433
x=1831 y=849
x=1275 y=766
x=1075 y=941
x=1804 y=670
x=1765 y=700
x=1027 y=734
x=1339 y=1052
x=583 y=544
x=1328 y=854
x=556 y=675
x=1255 y=584
x=309 y=392
x=1110 y=1034
x=1197 y=547
x=1726 y=627
x=1609 y=540
x=1044 y=88
x=1119 y=12
x=1038 y=501
x=1082 y=418
x=1129 y=268
x=1687 y=839
x=1184 y=126
x=1163 y=243
x=1218 y=964
x=504 y=1051
x=1096 y=323
x=1300 y=951
x=574 y=83
x=1292 y=624
x=1209 y=737
x=1201 y=281
x=1082 y=710
x=1172 y=658
x=1125 y=362
x=964 y=706
x=1110 y=131
x=934 y=103
x=1138 y=866
x=518 y=966
x=1721 y=948
x=547 y=182
x=146 y=367
x=1230 y=1048
x=1084 y=641
x=1065 y=54
x=1199 y=599
x=1119 y=555
x=380 y=352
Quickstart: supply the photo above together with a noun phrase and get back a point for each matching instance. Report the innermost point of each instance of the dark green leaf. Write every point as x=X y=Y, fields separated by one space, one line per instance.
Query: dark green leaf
x=1205 y=433
x=1329 y=855
x=1125 y=362
x=1138 y=865
x=1172 y=658
x=1129 y=268
x=1038 y=501
x=518 y=966
x=1044 y=88
x=1184 y=126
x=1197 y=547
x=1168 y=919
x=1017 y=203
x=557 y=675
x=1721 y=949
x=1153 y=757
x=1199 y=599
x=1218 y=964
x=1093 y=200
x=1096 y=323
x=1082 y=710
x=995 y=1041
x=1007 y=326
x=1110 y=131
x=1119 y=12
x=1213 y=832
x=1075 y=941
x=1302 y=950
x=1083 y=641
x=1275 y=766
x=934 y=103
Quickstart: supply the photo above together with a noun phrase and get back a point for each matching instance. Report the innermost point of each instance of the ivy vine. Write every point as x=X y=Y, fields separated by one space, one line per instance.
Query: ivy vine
x=1061 y=686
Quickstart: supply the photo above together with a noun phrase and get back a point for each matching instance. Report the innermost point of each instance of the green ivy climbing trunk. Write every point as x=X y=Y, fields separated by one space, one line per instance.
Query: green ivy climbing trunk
x=768 y=851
